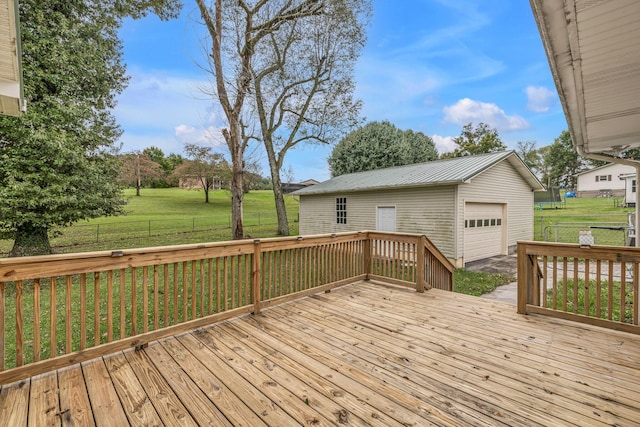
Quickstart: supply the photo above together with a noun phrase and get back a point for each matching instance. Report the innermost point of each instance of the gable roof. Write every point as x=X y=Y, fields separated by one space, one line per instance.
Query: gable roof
x=439 y=172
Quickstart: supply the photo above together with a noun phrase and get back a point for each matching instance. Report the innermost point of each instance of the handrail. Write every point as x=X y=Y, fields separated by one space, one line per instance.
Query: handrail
x=597 y=285
x=56 y=310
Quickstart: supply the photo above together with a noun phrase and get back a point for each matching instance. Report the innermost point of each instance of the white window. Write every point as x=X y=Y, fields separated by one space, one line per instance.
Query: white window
x=633 y=185
x=603 y=178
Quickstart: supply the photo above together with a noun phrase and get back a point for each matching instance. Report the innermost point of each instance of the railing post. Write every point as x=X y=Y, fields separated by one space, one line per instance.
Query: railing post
x=420 y=282
x=255 y=286
x=366 y=258
x=524 y=278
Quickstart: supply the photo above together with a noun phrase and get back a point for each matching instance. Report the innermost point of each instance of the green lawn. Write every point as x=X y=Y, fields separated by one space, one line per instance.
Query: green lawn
x=582 y=211
x=171 y=216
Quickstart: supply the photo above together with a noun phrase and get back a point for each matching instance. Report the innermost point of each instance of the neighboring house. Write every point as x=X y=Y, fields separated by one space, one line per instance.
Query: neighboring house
x=290 y=187
x=629 y=189
x=603 y=181
x=470 y=207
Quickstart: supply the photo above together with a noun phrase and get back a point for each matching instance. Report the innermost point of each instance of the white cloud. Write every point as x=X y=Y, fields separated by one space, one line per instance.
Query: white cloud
x=467 y=110
x=200 y=135
x=164 y=109
x=539 y=98
x=444 y=144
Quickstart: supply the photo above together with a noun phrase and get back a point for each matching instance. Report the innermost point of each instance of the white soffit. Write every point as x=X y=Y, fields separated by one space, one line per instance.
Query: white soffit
x=11 y=93
x=593 y=47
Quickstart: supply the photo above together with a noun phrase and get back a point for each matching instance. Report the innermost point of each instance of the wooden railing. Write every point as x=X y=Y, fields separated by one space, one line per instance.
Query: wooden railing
x=597 y=285
x=62 y=309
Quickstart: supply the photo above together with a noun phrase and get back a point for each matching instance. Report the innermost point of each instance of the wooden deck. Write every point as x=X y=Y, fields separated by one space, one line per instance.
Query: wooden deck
x=363 y=354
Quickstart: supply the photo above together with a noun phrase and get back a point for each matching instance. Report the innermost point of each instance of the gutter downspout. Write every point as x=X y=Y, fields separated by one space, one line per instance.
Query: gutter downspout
x=628 y=162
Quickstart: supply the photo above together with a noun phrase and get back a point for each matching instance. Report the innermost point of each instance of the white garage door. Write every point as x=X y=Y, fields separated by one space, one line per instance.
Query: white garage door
x=484 y=229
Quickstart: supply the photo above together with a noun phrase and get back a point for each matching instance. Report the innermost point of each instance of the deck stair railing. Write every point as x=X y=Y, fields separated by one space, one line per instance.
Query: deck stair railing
x=596 y=285
x=58 y=310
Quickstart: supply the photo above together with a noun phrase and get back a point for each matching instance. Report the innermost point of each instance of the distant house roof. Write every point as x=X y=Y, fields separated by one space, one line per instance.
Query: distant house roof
x=440 y=172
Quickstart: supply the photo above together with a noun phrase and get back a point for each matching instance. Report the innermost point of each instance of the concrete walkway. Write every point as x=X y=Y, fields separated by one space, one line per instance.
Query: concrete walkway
x=502 y=264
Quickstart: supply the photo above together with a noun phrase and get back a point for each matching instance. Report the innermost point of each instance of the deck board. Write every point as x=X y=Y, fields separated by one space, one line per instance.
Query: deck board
x=363 y=354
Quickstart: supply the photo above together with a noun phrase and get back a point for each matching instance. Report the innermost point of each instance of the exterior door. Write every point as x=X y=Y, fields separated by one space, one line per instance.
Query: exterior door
x=387 y=218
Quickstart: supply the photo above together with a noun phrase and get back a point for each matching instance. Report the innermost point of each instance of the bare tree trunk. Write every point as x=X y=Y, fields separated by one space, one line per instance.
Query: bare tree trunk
x=233 y=138
x=31 y=240
x=278 y=195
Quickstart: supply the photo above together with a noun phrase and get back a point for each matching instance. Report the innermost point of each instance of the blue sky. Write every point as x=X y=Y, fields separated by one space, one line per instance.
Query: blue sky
x=429 y=65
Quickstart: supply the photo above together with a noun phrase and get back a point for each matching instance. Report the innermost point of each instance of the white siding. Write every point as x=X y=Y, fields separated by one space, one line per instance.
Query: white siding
x=422 y=210
x=500 y=184
x=587 y=180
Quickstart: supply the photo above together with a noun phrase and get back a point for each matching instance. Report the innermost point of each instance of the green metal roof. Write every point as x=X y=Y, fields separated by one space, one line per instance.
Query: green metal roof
x=439 y=172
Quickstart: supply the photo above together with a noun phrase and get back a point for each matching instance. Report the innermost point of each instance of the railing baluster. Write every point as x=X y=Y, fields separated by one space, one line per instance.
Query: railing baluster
x=123 y=310
x=194 y=284
x=210 y=283
x=185 y=293
x=156 y=297
x=134 y=302
x=165 y=278
x=109 y=305
x=53 y=318
x=544 y=281
x=598 y=287
x=623 y=290
x=176 y=304
x=636 y=269
x=610 y=292
x=36 y=320
x=587 y=286
x=19 y=330
x=68 y=316
x=96 y=308
x=83 y=311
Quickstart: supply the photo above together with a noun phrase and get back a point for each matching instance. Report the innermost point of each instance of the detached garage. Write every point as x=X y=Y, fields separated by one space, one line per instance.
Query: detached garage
x=470 y=207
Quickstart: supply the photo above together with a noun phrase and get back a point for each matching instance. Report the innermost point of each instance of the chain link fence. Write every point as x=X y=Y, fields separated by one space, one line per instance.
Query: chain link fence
x=83 y=236
x=614 y=229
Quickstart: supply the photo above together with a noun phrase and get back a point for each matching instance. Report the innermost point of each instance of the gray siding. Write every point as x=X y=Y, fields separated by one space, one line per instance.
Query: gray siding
x=500 y=184
x=423 y=210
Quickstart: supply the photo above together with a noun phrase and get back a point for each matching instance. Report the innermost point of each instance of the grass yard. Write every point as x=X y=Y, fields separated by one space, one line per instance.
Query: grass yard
x=580 y=213
x=171 y=216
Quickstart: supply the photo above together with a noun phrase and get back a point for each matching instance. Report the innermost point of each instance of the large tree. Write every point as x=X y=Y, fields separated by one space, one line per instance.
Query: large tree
x=476 y=140
x=380 y=145
x=138 y=170
x=204 y=166
x=57 y=164
x=236 y=28
x=563 y=161
x=302 y=81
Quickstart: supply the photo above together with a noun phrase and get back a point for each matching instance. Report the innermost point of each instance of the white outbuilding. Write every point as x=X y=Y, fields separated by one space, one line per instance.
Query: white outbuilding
x=470 y=207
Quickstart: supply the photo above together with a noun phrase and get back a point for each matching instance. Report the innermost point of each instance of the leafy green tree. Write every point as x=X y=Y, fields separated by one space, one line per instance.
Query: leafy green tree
x=168 y=165
x=380 y=145
x=563 y=161
x=479 y=140
x=57 y=163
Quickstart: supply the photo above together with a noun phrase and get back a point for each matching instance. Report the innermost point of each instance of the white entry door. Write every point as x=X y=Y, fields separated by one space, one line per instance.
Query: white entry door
x=387 y=218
